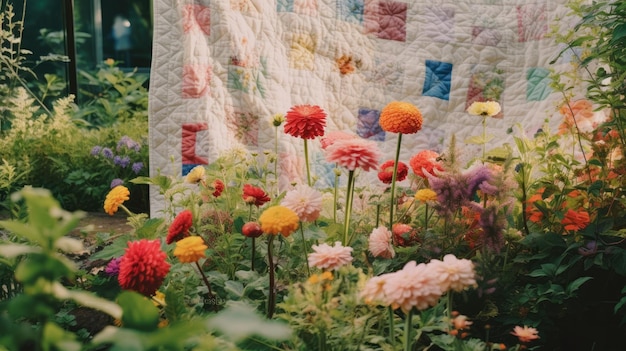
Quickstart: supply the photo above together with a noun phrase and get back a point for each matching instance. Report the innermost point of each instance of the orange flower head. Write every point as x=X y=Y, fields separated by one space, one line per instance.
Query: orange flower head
x=279 y=220
x=115 y=198
x=574 y=221
x=305 y=121
x=401 y=117
x=525 y=334
x=425 y=161
x=190 y=249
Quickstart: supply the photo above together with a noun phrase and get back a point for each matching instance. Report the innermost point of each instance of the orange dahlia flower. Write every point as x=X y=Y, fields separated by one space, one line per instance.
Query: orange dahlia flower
x=575 y=220
x=401 y=117
x=115 y=198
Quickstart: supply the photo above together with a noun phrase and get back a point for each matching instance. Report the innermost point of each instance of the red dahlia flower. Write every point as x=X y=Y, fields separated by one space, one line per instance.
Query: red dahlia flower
x=305 y=121
x=386 y=172
x=253 y=195
x=179 y=228
x=143 y=267
x=219 y=186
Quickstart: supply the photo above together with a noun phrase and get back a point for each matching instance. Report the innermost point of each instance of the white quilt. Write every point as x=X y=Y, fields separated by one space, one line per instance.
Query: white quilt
x=222 y=68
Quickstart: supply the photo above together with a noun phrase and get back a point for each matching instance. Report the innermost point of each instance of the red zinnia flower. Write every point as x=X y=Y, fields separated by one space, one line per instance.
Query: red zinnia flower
x=179 y=228
x=404 y=235
x=353 y=154
x=219 y=186
x=253 y=195
x=386 y=172
x=143 y=267
x=425 y=161
x=575 y=220
x=305 y=121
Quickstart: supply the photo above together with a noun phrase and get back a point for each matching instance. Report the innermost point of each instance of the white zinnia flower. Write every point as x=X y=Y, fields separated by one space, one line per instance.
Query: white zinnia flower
x=305 y=201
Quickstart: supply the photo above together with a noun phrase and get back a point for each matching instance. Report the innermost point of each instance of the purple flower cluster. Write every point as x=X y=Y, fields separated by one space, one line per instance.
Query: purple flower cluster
x=455 y=190
x=113 y=267
x=127 y=143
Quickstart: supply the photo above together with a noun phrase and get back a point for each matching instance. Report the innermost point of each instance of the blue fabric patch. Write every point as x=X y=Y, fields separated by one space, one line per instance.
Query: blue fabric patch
x=367 y=126
x=188 y=167
x=284 y=5
x=350 y=10
x=538 y=84
x=437 y=80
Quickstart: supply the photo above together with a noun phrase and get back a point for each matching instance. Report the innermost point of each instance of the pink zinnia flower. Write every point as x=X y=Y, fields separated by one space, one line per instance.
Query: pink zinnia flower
x=425 y=161
x=453 y=273
x=373 y=292
x=330 y=138
x=525 y=334
x=143 y=267
x=329 y=257
x=385 y=173
x=353 y=154
x=380 y=243
x=415 y=285
x=305 y=121
x=305 y=201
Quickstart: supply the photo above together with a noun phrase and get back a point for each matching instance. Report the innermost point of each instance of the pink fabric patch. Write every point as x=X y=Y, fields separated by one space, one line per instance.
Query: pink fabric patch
x=386 y=19
x=196 y=80
x=245 y=125
x=197 y=16
x=188 y=144
x=531 y=22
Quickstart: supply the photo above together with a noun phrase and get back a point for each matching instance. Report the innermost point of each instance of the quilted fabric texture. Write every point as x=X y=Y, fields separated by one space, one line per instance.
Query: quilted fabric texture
x=222 y=68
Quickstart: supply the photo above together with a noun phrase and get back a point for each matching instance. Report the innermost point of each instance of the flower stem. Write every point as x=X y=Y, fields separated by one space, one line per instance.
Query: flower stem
x=426 y=218
x=304 y=250
x=484 y=137
x=336 y=193
x=306 y=161
x=449 y=305
x=393 y=181
x=408 y=325
x=252 y=253
x=392 y=327
x=348 y=209
x=206 y=282
x=271 y=303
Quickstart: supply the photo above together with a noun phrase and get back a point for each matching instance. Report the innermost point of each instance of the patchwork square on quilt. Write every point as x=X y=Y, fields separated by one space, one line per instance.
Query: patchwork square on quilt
x=191 y=156
x=302 y=51
x=367 y=126
x=196 y=16
x=538 y=84
x=303 y=7
x=196 y=81
x=386 y=19
x=437 y=79
x=532 y=22
x=245 y=125
x=486 y=84
x=248 y=79
x=351 y=10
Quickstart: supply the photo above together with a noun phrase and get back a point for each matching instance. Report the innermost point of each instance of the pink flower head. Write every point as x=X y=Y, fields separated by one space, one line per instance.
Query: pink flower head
x=415 y=285
x=380 y=243
x=373 y=292
x=525 y=334
x=425 y=161
x=305 y=201
x=329 y=257
x=354 y=153
x=385 y=173
x=305 y=121
x=453 y=273
x=332 y=137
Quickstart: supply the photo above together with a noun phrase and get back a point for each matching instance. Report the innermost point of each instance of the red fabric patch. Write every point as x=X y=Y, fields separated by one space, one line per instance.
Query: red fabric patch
x=188 y=144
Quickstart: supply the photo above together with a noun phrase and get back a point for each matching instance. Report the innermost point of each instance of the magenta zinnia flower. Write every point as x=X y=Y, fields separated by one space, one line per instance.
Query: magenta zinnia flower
x=113 y=267
x=354 y=153
x=329 y=257
x=143 y=267
x=305 y=121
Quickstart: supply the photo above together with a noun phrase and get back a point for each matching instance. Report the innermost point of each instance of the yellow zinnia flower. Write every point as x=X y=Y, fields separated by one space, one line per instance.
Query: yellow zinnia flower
x=400 y=117
x=487 y=108
x=196 y=175
x=425 y=195
x=115 y=198
x=279 y=220
x=190 y=249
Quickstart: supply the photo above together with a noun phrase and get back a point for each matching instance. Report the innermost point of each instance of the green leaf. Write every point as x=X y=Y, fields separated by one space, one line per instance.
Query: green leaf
x=15 y=250
x=239 y=321
x=138 y=311
x=573 y=286
x=234 y=288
